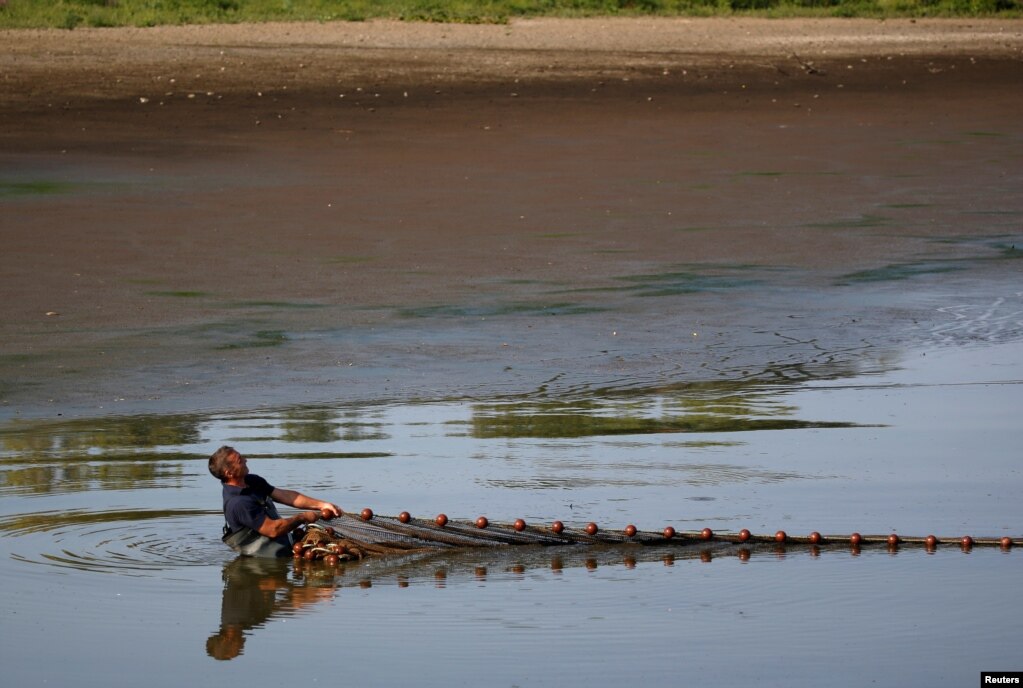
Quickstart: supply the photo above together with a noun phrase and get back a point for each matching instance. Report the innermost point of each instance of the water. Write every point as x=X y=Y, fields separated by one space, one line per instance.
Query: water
x=110 y=542
x=604 y=335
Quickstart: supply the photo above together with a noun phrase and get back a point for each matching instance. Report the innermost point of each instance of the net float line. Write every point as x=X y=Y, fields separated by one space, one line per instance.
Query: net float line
x=405 y=532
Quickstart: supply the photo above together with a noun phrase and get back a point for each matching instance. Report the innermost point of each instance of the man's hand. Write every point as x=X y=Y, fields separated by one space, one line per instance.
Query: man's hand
x=329 y=511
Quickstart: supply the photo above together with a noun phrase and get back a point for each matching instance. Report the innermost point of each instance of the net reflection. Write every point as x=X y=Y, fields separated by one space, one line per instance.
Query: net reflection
x=257 y=591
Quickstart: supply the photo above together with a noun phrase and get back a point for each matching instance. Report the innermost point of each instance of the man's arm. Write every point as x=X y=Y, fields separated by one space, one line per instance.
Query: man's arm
x=300 y=501
x=275 y=527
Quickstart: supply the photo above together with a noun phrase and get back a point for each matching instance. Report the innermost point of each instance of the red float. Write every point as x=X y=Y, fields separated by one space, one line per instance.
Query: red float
x=591 y=528
x=893 y=540
x=558 y=527
x=966 y=542
x=815 y=538
x=441 y=520
x=404 y=517
x=297 y=548
x=931 y=542
x=366 y=514
x=630 y=530
x=855 y=539
x=1006 y=542
x=780 y=536
x=520 y=525
x=669 y=532
x=744 y=535
x=707 y=534
x=482 y=522
x=332 y=560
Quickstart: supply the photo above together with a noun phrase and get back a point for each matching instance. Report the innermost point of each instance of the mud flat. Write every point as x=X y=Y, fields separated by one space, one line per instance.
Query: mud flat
x=227 y=217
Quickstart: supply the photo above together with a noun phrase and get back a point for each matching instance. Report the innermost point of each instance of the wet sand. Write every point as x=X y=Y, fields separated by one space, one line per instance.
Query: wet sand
x=230 y=217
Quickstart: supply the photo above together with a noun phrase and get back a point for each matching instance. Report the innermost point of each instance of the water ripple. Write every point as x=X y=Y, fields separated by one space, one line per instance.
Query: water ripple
x=128 y=542
x=990 y=321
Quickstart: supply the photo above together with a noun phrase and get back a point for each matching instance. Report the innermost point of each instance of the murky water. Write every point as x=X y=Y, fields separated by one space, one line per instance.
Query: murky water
x=764 y=386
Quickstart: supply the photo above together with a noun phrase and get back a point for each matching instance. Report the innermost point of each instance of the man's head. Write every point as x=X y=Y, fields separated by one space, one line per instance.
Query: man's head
x=227 y=463
x=227 y=644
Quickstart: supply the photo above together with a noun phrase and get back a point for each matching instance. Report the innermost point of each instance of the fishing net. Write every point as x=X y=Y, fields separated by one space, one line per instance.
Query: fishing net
x=353 y=536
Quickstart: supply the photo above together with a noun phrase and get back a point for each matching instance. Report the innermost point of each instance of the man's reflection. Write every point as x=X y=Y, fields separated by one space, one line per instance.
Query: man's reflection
x=255 y=590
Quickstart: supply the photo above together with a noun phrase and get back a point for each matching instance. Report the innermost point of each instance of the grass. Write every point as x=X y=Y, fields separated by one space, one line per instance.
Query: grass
x=69 y=14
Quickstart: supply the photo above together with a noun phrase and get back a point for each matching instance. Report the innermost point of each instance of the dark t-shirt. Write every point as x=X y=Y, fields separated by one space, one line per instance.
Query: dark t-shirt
x=249 y=506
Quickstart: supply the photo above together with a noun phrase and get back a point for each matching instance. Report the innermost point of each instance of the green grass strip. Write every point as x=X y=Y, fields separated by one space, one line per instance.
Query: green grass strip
x=69 y=14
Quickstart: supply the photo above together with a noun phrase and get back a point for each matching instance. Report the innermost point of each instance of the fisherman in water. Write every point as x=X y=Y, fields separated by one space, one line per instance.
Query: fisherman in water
x=254 y=527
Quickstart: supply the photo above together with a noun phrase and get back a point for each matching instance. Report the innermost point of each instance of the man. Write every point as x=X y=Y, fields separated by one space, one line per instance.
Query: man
x=254 y=527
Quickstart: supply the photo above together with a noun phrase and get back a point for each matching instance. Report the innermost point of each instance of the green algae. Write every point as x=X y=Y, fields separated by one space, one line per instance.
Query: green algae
x=683 y=282
x=36 y=188
x=900 y=271
x=180 y=294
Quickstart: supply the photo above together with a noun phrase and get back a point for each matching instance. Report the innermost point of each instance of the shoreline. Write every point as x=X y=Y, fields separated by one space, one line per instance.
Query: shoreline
x=119 y=62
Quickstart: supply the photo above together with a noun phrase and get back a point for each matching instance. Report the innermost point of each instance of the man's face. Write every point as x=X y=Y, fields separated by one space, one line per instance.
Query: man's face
x=239 y=467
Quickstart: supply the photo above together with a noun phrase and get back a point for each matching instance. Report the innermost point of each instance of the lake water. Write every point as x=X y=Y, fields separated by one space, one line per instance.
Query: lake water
x=111 y=555
x=703 y=319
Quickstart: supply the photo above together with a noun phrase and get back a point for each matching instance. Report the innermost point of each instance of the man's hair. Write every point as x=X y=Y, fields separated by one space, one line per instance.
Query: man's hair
x=218 y=462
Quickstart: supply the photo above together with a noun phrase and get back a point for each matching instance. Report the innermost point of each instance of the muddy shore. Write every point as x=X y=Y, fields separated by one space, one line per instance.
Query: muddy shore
x=229 y=217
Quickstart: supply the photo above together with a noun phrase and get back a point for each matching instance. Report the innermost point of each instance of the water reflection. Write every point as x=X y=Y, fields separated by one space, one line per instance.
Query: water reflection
x=690 y=407
x=80 y=477
x=256 y=590
x=644 y=474
x=327 y=425
x=697 y=407
x=144 y=452
x=548 y=419
x=99 y=435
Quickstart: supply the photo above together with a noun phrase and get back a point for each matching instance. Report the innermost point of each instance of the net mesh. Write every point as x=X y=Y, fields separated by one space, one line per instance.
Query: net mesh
x=353 y=537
